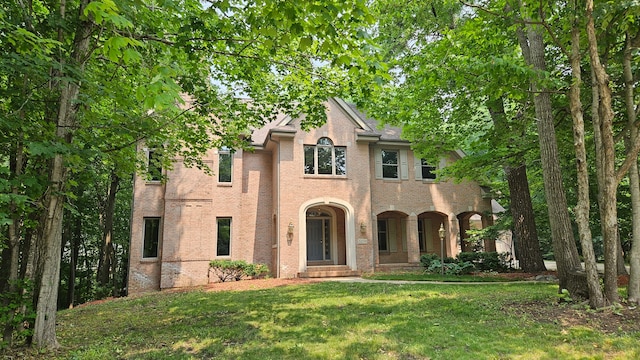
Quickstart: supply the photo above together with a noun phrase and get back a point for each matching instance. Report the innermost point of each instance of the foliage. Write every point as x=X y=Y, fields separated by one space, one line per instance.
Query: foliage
x=486 y=261
x=16 y=310
x=453 y=268
x=427 y=259
x=236 y=270
x=424 y=276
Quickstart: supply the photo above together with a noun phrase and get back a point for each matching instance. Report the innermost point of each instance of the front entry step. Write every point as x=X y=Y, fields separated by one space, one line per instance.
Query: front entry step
x=328 y=271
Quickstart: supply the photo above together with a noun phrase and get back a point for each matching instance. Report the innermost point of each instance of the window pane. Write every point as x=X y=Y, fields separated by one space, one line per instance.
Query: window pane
x=224 y=237
x=224 y=167
x=309 y=164
x=382 y=235
x=341 y=160
x=390 y=164
x=154 y=167
x=325 y=141
x=151 y=236
x=324 y=160
x=428 y=171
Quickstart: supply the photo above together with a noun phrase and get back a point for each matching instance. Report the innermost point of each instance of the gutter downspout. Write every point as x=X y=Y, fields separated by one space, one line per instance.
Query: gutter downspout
x=277 y=209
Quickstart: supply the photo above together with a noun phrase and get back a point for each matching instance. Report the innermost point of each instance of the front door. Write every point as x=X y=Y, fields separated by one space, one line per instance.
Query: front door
x=318 y=239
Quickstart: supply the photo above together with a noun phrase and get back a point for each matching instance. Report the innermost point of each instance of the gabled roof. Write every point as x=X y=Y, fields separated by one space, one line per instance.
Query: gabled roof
x=366 y=128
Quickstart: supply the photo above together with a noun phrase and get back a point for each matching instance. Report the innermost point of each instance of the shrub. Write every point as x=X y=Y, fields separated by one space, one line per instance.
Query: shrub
x=227 y=270
x=427 y=259
x=486 y=261
x=455 y=268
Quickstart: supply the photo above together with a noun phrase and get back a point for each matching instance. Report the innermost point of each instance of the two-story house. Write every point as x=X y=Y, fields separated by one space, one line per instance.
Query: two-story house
x=341 y=199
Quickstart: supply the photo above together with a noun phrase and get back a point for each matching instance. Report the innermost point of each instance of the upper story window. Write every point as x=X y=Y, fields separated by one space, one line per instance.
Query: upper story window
x=154 y=166
x=427 y=170
x=391 y=164
x=325 y=159
x=225 y=165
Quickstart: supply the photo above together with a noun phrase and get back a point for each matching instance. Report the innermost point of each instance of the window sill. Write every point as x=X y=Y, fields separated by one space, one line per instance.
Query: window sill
x=331 y=177
x=149 y=260
x=153 y=182
x=225 y=184
x=390 y=180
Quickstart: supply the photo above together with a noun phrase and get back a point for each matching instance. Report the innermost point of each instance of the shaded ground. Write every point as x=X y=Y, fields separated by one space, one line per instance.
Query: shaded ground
x=608 y=320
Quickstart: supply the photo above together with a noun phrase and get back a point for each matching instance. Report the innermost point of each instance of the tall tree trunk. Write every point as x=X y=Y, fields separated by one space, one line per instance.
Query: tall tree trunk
x=633 y=288
x=107 y=256
x=44 y=332
x=607 y=178
x=565 y=251
x=596 y=299
x=75 y=249
x=527 y=244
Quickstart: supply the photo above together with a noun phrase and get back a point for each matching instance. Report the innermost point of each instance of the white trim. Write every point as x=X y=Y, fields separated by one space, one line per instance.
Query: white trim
x=349 y=230
x=354 y=117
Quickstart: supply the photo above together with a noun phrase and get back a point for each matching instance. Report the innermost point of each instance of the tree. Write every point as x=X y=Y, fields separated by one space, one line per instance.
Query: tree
x=83 y=71
x=457 y=88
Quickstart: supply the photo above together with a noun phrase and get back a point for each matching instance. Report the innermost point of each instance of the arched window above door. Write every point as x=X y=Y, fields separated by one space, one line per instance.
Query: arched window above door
x=324 y=158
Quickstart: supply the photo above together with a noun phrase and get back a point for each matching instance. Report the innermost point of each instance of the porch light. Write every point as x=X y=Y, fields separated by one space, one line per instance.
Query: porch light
x=441 y=233
x=290 y=228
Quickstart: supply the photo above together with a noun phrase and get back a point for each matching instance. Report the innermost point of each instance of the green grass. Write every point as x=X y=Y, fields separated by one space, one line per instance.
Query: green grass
x=409 y=276
x=334 y=320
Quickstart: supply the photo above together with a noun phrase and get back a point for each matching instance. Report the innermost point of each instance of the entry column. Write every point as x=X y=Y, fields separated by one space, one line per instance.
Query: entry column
x=413 y=247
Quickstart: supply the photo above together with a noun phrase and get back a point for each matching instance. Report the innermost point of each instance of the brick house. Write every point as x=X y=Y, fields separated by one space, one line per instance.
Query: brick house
x=341 y=199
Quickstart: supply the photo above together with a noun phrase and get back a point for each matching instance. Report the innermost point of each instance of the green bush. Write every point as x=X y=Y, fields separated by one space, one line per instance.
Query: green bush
x=427 y=259
x=236 y=270
x=455 y=268
x=16 y=312
x=486 y=261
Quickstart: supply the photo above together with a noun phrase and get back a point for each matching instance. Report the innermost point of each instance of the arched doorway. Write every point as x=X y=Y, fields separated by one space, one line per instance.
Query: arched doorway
x=325 y=236
x=474 y=221
x=429 y=241
x=392 y=237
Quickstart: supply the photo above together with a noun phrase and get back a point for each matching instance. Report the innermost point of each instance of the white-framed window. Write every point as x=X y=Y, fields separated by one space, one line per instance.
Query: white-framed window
x=223 y=240
x=151 y=237
x=325 y=159
x=154 y=166
x=225 y=165
x=391 y=164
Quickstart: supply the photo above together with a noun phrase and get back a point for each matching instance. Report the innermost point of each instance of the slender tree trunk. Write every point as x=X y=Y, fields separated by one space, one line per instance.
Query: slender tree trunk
x=633 y=288
x=75 y=249
x=608 y=181
x=565 y=251
x=596 y=299
x=107 y=258
x=44 y=332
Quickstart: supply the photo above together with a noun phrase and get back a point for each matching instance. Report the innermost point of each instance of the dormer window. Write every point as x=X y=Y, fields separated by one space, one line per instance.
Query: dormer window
x=325 y=159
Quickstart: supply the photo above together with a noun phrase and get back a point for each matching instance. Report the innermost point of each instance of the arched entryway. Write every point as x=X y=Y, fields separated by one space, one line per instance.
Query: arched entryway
x=429 y=241
x=474 y=221
x=325 y=236
x=392 y=237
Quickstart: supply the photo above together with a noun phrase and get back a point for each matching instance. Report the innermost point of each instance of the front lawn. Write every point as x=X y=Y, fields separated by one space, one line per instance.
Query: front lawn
x=342 y=320
x=414 y=276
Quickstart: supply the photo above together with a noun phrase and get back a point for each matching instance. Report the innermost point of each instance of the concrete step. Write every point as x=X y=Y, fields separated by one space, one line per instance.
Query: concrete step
x=328 y=271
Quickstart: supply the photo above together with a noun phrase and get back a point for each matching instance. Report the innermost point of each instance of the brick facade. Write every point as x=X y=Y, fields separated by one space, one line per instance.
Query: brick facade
x=274 y=206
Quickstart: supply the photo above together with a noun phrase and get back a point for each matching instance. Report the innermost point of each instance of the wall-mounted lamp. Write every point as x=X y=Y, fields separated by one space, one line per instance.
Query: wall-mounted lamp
x=363 y=227
x=290 y=228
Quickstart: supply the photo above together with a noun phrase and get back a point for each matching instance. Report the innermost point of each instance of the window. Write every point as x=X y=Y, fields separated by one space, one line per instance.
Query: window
x=390 y=164
x=428 y=171
x=154 y=167
x=225 y=162
x=325 y=159
x=383 y=240
x=151 y=236
x=223 y=245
